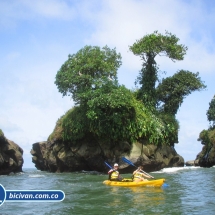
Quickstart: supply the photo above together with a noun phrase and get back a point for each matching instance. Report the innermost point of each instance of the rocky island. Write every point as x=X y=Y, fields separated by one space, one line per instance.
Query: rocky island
x=108 y=120
x=88 y=156
x=11 y=159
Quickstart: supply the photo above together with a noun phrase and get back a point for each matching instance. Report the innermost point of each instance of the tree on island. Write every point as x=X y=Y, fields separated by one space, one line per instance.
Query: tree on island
x=211 y=112
x=172 y=90
x=148 y=48
x=112 y=114
x=207 y=137
x=206 y=157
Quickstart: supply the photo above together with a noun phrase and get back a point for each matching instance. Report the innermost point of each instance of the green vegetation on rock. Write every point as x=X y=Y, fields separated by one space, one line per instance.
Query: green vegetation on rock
x=1 y=133
x=211 y=112
x=2 y=137
x=148 y=48
x=172 y=90
x=110 y=113
x=207 y=137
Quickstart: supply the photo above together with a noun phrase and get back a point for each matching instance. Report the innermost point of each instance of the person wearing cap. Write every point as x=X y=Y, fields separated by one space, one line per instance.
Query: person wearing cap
x=139 y=176
x=114 y=173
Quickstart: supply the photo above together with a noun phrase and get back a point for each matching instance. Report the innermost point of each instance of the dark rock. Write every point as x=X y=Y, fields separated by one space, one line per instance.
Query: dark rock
x=11 y=159
x=155 y=158
x=192 y=163
x=90 y=156
x=206 y=158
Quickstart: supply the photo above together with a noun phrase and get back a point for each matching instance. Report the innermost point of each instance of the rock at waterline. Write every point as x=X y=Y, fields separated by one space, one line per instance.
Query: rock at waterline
x=192 y=163
x=89 y=156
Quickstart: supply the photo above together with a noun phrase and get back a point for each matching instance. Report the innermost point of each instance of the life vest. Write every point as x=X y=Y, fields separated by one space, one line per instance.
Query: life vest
x=138 y=175
x=114 y=175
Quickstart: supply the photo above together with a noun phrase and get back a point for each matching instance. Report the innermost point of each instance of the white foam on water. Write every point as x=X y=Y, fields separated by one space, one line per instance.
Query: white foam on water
x=36 y=176
x=17 y=173
x=176 y=169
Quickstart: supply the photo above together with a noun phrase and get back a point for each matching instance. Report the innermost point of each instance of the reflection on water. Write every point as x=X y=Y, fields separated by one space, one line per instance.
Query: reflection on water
x=150 y=196
x=135 y=199
x=146 y=189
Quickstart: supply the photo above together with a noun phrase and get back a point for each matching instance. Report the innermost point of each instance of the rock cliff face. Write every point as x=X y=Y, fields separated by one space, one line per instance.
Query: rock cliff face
x=90 y=156
x=154 y=158
x=206 y=158
x=192 y=163
x=11 y=159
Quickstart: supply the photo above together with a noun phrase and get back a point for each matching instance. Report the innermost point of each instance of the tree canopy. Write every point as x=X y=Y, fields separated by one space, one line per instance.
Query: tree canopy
x=207 y=137
x=211 y=112
x=87 y=70
x=113 y=114
x=148 y=48
x=157 y=44
x=172 y=90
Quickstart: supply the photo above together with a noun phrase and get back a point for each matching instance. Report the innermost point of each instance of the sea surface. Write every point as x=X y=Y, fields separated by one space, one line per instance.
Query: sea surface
x=187 y=190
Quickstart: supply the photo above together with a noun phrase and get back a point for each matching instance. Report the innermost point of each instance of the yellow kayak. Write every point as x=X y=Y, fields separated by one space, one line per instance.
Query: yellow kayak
x=129 y=183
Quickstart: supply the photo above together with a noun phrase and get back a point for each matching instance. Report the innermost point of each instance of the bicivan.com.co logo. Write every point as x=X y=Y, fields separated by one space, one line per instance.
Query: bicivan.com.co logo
x=30 y=195
x=2 y=194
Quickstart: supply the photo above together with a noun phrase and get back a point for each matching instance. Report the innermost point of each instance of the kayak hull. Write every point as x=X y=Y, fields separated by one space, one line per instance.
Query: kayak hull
x=152 y=183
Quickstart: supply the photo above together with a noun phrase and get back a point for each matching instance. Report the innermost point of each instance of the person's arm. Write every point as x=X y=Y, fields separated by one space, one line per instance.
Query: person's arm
x=146 y=176
x=110 y=171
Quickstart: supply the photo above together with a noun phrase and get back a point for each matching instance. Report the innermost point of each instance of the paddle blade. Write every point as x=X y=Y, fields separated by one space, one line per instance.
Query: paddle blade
x=128 y=161
x=165 y=185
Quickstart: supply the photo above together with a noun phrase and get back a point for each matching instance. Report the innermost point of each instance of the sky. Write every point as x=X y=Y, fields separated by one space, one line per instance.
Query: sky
x=36 y=38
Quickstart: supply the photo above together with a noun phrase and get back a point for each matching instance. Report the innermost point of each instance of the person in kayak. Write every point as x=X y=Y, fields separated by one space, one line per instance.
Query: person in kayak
x=114 y=174
x=139 y=176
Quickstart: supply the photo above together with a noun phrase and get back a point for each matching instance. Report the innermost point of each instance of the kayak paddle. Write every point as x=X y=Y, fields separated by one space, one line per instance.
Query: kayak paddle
x=130 y=163
x=108 y=165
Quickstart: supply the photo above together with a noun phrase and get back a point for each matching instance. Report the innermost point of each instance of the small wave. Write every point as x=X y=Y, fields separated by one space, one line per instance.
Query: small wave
x=16 y=173
x=79 y=185
x=176 y=169
x=91 y=172
x=36 y=176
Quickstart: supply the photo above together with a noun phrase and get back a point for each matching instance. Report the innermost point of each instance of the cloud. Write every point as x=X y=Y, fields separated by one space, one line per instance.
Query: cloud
x=30 y=102
x=120 y=24
x=42 y=8
x=37 y=36
x=28 y=122
x=12 y=12
x=6 y=124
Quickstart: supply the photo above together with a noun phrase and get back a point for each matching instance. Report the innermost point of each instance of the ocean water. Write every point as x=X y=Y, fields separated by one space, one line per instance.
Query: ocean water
x=188 y=190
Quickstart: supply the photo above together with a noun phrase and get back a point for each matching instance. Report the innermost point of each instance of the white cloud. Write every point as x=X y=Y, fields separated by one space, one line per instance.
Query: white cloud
x=29 y=123
x=6 y=124
x=25 y=9
x=32 y=55
x=50 y=8
x=121 y=23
